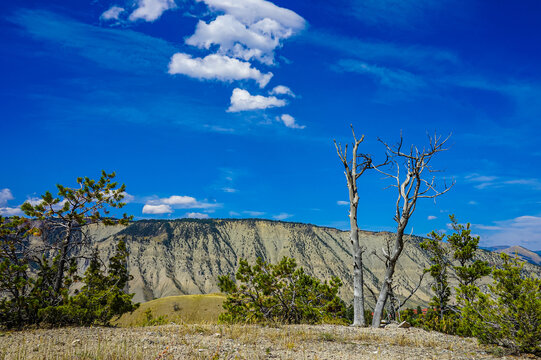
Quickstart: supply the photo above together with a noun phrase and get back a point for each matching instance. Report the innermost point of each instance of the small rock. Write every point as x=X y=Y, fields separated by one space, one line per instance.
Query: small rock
x=217 y=335
x=404 y=325
x=75 y=342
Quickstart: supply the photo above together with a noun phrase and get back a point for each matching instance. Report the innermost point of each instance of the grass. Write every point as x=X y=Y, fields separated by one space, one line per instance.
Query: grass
x=212 y=341
x=184 y=309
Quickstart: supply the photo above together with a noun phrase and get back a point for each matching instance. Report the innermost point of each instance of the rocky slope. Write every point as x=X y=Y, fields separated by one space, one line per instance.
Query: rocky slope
x=186 y=256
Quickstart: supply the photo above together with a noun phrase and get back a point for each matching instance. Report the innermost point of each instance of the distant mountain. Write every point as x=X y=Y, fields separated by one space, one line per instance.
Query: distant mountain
x=186 y=256
x=523 y=253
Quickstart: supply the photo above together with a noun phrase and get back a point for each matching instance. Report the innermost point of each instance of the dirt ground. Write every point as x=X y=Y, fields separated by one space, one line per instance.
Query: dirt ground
x=242 y=342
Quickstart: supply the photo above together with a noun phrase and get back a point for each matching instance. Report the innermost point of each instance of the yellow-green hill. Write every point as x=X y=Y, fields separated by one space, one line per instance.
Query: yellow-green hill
x=190 y=309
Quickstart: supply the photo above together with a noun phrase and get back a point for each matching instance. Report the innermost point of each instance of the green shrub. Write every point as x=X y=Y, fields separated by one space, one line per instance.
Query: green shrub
x=510 y=314
x=280 y=293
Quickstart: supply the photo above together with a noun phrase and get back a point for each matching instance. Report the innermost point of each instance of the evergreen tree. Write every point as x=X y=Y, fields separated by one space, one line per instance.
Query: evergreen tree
x=281 y=292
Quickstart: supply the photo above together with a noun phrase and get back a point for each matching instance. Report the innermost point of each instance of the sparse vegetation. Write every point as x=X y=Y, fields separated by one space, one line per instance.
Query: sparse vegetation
x=37 y=275
x=280 y=293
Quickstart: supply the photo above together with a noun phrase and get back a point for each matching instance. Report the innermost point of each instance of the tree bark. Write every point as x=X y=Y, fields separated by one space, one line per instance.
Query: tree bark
x=62 y=262
x=387 y=282
x=358 y=280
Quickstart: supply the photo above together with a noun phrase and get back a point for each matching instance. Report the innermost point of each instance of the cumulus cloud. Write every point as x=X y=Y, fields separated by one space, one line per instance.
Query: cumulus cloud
x=242 y=100
x=282 y=216
x=216 y=67
x=150 y=10
x=182 y=202
x=9 y=211
x=157 y=209
x=5 y=196
x=248 y=29
x=112 y=14
x=196 y=215
x=282 y=90
x=290 y=122
x=341 y=202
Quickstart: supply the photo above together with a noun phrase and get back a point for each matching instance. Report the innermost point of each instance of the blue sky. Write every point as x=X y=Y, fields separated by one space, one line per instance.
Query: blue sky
x=221 y=109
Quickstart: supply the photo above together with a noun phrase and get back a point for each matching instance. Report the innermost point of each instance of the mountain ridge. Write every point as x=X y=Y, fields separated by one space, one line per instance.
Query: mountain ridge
x=185 y=256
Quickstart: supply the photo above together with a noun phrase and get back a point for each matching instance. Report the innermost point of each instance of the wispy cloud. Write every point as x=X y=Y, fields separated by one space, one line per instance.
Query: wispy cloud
x=253 y=213
x=122 y=50
x=493 y=182
x=431 y=217
x=342 y=202
x=282 y=90
x=396 y=13
x=523 y=231
x=282 y=216
x=392 y=78
x=421 y=58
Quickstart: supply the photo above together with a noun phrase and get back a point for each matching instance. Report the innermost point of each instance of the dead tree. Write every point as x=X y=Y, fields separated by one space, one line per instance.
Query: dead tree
x=353 y=169
x=413 y=180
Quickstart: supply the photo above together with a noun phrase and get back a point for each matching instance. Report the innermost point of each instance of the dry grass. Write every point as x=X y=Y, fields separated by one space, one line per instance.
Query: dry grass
x=184 y=309
x=211 y=341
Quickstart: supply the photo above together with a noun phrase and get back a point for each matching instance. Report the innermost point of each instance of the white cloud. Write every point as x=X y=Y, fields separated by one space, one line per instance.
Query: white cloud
x=229 y=190
x=242 y=100
x=157 y=209
x=151 y=10
x=5 y=196
x=234 y=213
x=290 y=122
x=282 y=216
x=182 y=202
x=431 y=217
x=472 y=202
x=216 y=67
x=128 y=198
x=9 y=211
x=250 y=11
x=342 y=202
x=112 y=14
x=196 y=215
x=254 y=213
x=248 y=29
x=282 y=90
x=523 y=231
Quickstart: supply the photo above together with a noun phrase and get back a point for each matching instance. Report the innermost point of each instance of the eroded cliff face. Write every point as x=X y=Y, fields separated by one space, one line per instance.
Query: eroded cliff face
x=187 y=256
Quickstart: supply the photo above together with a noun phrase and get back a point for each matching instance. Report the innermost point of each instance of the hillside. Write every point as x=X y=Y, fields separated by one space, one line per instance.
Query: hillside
x=522 y=253
x=186 y=256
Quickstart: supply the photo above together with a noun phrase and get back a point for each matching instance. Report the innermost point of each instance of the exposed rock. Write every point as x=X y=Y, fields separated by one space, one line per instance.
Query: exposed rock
x=186 y=256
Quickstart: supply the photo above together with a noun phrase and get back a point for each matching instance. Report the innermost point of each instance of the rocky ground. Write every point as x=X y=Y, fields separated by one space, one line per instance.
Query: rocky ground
x=241 y=342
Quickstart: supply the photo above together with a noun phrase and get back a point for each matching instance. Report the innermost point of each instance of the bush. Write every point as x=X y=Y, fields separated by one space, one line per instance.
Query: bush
x=280 y=293
x=510 y=314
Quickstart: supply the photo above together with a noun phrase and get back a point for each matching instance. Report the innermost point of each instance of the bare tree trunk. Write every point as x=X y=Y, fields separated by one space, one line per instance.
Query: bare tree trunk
x=387 y=282
x=359 y=164
x=358 y=280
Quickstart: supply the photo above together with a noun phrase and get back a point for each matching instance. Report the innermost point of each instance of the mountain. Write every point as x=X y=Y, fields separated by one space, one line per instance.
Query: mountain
x=186 y=256
x=523 y=254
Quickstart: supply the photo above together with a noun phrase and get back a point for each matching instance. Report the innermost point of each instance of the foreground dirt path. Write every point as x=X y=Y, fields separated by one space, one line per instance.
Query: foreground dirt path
x=240 y=342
